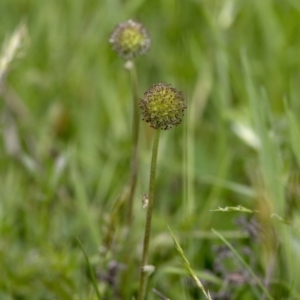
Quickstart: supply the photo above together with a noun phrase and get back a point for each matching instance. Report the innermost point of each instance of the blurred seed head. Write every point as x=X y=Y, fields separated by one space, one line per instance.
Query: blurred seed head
x=162 y=106
x=13 y=48
x=130 y=39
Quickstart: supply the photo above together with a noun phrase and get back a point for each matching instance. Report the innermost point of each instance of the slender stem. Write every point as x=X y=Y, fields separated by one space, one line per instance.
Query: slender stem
x=130 y=67
x=143 y=274
x=135 y=138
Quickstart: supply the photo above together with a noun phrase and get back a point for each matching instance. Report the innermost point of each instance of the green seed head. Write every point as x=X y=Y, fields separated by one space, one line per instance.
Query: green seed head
x=130 y=39
x=162 y=106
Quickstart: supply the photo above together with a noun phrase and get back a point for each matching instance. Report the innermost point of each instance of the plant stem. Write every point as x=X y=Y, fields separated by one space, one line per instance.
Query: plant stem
x=135 y=137
x=148 y=217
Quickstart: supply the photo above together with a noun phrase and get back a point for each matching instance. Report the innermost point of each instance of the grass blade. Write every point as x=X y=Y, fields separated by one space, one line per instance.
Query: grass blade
x=90 y=270
x=187 y=267
x=243 y=262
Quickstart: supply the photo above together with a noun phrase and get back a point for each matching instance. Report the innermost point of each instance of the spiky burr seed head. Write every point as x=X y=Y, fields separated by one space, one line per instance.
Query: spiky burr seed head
x=130 y=39
x=162 y=106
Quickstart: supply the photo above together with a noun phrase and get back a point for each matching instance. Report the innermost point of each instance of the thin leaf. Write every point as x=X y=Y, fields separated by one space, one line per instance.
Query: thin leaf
x=243 y=262
x=187 y=267
x=90 y=270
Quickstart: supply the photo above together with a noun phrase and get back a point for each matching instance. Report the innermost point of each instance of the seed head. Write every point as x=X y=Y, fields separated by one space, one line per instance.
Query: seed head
x=130 y=39
x=162 y=106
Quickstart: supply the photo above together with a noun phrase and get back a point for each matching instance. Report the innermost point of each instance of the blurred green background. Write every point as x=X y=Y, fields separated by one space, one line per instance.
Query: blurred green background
x=66 y=110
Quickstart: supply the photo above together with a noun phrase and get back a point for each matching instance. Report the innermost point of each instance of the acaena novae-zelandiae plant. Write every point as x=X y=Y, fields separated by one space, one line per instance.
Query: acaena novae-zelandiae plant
x=162 y=107
x=129 y=40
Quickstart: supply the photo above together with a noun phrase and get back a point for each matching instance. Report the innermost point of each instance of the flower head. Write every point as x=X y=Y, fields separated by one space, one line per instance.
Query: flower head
x=130 y=39
x=162 y=106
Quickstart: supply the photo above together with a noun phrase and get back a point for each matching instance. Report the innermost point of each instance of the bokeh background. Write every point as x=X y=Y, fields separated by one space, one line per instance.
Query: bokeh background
x=66 y=111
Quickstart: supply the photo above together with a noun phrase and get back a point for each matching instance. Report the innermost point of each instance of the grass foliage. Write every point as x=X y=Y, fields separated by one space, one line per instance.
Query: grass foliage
x=66 y=111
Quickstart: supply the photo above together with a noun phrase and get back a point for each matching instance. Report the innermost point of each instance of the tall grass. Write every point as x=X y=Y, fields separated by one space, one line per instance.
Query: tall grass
x=66 y=103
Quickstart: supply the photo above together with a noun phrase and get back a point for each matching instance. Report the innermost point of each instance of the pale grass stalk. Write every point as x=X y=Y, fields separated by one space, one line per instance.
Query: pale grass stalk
x=12 y=47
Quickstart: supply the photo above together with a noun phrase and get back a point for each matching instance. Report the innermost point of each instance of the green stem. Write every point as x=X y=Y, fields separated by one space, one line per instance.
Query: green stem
x=135 y=139
x=148 y=217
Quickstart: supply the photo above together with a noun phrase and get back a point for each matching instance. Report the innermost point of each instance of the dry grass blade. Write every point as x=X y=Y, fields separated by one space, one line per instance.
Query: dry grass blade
x=12 y=48
x=235 y=208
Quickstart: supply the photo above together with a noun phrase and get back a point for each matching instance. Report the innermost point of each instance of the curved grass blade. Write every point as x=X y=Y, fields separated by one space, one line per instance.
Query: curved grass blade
x=243 y=262
x=90 y=270
x=187 y=267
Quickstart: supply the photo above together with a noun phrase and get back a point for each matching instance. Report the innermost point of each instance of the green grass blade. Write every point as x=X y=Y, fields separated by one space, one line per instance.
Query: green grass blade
x=243 y=262
x=268 y=154
x=187 y=267
x=90 y=270
x=294 y=130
